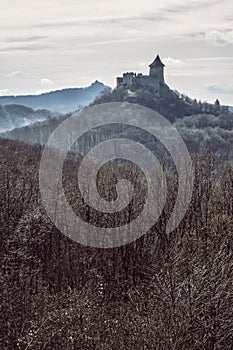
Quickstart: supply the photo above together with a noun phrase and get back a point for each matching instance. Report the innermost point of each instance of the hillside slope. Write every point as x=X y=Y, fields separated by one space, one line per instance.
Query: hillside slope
x=16 y=116
x=62 y=101
x=170 y=103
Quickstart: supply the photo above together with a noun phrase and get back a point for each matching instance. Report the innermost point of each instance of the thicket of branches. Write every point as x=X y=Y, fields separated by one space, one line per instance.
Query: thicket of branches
x=161 y=292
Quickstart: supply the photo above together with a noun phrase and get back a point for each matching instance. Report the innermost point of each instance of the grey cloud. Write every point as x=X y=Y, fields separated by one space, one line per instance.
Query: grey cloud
x=25 y=48
x=103 y=21
x=144 y=18
x=159 y=15
x=193 y=5
x=25 y=39
x=224 y=37
x=55 y=24
x=217 y=37
x=216 y=58
x=195 y=35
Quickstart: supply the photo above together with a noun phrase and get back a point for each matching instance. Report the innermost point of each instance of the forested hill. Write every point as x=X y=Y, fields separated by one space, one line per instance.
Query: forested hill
x=15 y=116
x=62 y=101
x=170 y=103
x=202 y=125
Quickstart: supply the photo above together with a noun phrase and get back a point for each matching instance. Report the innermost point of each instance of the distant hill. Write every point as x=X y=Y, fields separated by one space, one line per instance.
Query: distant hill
x=16 y=116
x=62 y=101
x=36 y=133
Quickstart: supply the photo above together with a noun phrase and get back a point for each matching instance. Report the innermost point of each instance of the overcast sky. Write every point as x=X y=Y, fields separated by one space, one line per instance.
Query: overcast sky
x=51 y=44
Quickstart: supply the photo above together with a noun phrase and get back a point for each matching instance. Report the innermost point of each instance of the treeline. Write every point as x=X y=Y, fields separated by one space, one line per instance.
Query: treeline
x=161 y=292
x=170 y=103
x=203 y=126
x=208 y=132
x=200 y=132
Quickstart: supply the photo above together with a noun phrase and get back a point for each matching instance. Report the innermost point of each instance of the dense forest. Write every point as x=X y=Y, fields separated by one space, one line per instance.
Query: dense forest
x=163 y=292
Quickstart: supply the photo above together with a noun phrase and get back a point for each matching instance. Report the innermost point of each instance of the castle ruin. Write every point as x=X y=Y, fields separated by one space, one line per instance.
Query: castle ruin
x=153 y=80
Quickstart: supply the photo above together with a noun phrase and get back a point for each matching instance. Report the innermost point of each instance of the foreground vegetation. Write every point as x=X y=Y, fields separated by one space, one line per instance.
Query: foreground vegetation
x=163 y=292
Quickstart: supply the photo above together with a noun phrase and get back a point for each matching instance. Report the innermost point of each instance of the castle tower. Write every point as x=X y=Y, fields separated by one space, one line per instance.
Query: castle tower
x=157 y=70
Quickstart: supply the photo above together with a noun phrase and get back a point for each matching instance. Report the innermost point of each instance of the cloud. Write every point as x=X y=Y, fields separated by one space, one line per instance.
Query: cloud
x=190 y=6
x=169 y=61
x=4 y=92
x=155 y=15
x=127 y=21
x=220 y=89
x=25 y=48
x=55 y=24
x=150 y=17
x=45 y=82
x=220 y=37
x=206 y=59
x=24 y=39
x=14 y=74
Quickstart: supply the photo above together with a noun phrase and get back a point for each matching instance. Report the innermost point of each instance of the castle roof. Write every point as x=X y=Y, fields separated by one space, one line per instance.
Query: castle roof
x=157 y=62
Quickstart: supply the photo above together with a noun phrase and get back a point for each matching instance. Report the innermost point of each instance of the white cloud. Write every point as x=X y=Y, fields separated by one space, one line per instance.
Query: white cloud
x=45 y=82
x=169 y=61
x=14 y=74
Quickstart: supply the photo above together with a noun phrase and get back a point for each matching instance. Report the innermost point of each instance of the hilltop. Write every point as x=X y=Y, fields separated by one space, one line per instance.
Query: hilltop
x=152 y=91
x=61 y=101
